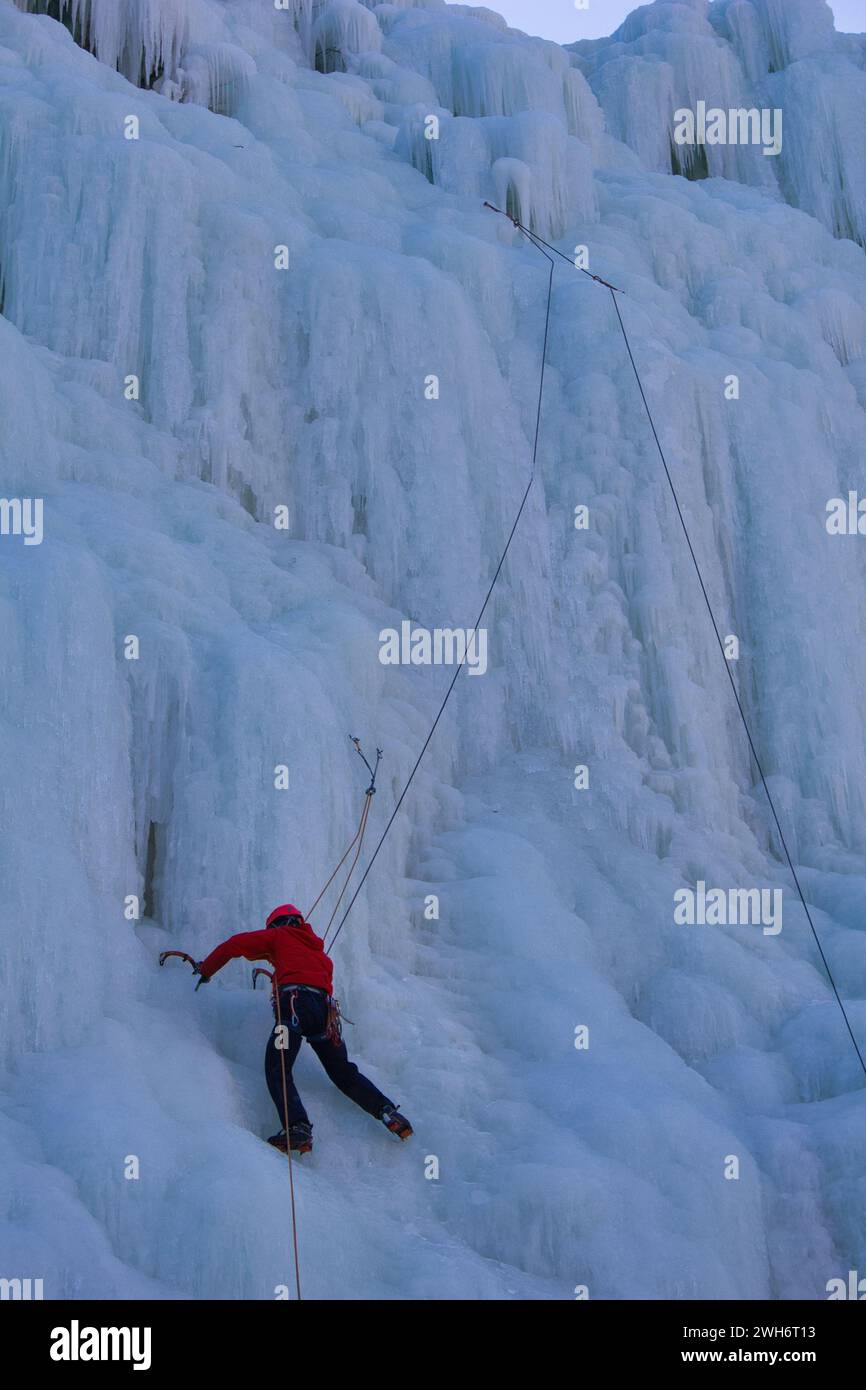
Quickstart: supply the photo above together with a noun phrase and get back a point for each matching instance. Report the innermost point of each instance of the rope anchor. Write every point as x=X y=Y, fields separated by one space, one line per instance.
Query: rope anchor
x=357 y=841
x=538 y=242
x=371 y=790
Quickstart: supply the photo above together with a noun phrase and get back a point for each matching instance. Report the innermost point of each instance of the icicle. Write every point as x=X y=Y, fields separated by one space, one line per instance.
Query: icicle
x=501 y=79
x=632 y=92
x=413 y=142
x=740 y=23
x=216 y=75
x=143 y=39
x=583 y=113
x=146 y=39
x=821 y=161
x=795 y=29
x=512 y=180
x=538 y=143
x=344 y=27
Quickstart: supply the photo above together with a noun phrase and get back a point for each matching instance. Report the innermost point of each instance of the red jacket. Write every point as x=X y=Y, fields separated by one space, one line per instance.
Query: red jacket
x=297 y=954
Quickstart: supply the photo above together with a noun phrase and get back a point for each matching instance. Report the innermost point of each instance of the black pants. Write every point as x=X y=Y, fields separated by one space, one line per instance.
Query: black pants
x=309 y=1019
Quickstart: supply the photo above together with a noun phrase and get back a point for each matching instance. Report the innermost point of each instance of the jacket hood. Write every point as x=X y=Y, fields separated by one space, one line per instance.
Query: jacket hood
x=284 y=910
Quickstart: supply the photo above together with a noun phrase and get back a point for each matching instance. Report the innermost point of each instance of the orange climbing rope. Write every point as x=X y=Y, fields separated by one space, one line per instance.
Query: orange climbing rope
x=282 y=1052
x=357 y=839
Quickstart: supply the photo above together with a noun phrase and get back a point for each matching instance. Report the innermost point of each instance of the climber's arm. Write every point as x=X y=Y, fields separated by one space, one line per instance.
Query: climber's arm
x=252 y=945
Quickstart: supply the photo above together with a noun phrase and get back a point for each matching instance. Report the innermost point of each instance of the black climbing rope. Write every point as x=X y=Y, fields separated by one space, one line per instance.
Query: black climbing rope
x=541 y=244
x=483 y=609
x=547 y=250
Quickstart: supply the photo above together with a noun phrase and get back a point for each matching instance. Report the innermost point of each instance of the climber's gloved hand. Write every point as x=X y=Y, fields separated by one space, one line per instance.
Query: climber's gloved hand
x=203 y=979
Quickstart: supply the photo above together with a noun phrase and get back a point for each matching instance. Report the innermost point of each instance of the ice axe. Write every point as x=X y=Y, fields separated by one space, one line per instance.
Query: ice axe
x=182 y=955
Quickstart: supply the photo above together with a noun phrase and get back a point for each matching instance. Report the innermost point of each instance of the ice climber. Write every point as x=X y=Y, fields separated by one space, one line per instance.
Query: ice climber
x=303 y=975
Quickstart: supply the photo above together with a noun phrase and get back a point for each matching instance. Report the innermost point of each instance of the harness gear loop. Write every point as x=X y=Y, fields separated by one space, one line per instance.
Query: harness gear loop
x=334 y=1020
x=334 y=1031
x=292 y=997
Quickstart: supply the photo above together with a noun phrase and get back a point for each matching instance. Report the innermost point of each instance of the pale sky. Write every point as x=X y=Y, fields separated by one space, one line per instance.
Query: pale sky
x=563 y=21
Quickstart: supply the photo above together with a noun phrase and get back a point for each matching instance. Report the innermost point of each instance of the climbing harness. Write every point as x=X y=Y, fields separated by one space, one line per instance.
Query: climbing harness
x=336 y=1018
